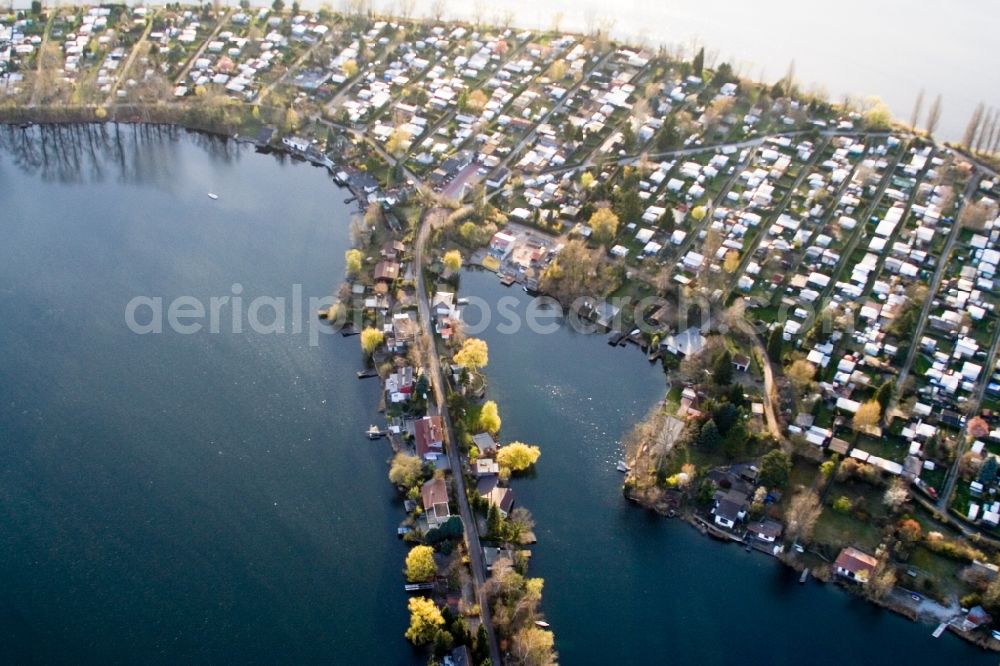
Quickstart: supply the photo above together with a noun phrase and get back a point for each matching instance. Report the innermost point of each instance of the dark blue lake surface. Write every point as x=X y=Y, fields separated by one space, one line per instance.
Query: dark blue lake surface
x=623 y=585
x=211 y=497
x=182 y=498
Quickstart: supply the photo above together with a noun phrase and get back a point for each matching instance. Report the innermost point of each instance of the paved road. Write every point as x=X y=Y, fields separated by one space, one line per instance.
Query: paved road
x=932 y=289
x=201 y=49
x=433 y=365
x=131 y=58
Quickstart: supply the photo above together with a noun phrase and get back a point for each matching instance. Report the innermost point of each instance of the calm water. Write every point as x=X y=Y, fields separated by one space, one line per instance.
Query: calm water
x=210 y=498
x=623 y=585
x=182 y=498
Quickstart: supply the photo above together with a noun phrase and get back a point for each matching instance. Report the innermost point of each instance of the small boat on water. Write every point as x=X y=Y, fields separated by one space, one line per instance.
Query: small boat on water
x=622 y=466
x=213 y=196
x=374 y=433
x=542 y=623
x=365 y=374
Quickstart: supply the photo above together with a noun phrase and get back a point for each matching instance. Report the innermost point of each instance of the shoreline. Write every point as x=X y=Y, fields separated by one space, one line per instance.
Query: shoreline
x=179 y=122
x=193 y=116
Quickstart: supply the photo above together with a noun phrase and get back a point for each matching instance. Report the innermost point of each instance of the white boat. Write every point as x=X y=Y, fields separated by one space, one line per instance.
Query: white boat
x=374 y=433
x=213 y=195
x=622 y=466
x=542 y=623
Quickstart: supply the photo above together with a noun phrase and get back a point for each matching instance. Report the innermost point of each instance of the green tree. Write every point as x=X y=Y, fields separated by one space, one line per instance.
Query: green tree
x=278 y=6
x=988 y=470
x=420 y=565
x=775 y=345
x=709 y=436
x=698 y=64
x=725 y=416
x=494 y=522
x=775 y=467
x=425 y=621
x=842 y=504
x=735 y=440
x=884 y=394
x=722 y=370
x=828 y=466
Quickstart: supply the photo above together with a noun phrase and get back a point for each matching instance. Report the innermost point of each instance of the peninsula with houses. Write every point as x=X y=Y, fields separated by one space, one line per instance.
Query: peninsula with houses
x=817 y=282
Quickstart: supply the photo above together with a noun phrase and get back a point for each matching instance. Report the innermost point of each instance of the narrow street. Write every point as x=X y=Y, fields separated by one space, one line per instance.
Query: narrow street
x=433 y=366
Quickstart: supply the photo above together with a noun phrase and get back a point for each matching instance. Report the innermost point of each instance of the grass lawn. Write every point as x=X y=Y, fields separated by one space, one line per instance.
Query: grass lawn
x=936 y=575
x=837 y=530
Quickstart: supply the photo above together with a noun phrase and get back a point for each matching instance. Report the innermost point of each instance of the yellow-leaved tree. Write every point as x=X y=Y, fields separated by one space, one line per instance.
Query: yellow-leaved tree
x=425 y=621
x=453 y=260
x=473 y=355
x=489 y=417
x=518 y=456
x=604 y=224
x=867 y=416
x=352 y=259
x=420 y=564
x=371 y=338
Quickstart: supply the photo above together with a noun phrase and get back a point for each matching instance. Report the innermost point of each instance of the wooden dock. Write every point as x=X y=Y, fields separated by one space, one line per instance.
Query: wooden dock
x=940 y=630
x=805 y=575
x=418 y=587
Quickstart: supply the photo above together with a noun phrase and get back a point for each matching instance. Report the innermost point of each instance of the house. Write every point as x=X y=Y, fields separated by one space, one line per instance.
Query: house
x=429 y=437
x=392 y=250
x=386 y=271
x=434 y=496
x=502 y=499
x=458 y=657
x=765 y=530
x=685 y=343
x=730 y=507
x=855 y=565
x=741 y=362
x=502 y=245
x=975 y=618
x=487 y=467
x=484 y=442
x=727 y=513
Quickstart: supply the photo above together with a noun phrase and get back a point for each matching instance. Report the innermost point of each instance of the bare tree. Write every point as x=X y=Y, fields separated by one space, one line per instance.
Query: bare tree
x=789 y=80
x=557 y=21
x=438 y=8
x=917 y=107
x=406 y=8
x=934 y=116
x=985 y=129
x=970 y=130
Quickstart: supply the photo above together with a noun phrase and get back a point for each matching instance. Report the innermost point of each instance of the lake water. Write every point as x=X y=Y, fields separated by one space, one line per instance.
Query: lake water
x=624 y=585
x=182 y=498
x=211 y=498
